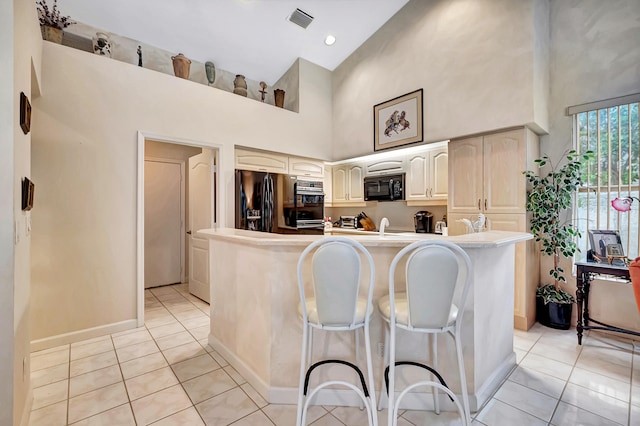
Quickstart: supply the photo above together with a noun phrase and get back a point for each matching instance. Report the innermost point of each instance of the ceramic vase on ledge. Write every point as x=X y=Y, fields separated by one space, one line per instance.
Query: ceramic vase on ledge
x=102 y=45
x=210 y=70
x=240 y=85
x=51 y=34
x=279 y=97
x=181 y=66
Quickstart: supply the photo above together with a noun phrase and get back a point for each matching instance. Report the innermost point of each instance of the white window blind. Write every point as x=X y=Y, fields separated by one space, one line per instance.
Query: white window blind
x=609 y=129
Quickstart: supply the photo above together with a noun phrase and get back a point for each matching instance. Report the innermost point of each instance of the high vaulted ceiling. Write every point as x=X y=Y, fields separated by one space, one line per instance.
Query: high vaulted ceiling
x=250 y=37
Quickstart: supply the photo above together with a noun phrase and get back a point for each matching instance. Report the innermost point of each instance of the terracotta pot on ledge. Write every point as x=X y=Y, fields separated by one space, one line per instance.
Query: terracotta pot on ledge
x=51 y=34
x=181 y=66
x=279 y=97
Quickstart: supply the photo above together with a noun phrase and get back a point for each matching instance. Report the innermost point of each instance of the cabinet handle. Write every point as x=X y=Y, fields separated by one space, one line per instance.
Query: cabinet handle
x=478 y=203
x=485 y=204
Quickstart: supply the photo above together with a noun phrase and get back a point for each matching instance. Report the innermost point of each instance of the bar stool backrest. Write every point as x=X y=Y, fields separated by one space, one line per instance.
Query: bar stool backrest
x=432 y=274
x=336 y=279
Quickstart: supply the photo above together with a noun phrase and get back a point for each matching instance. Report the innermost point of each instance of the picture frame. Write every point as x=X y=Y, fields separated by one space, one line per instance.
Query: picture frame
x=28 y=190
x=25 y=113
x=398 y=121
x=605 y=242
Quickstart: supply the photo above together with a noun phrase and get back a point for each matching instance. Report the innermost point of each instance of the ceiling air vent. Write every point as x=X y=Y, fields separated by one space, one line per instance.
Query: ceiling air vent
x=301 y=18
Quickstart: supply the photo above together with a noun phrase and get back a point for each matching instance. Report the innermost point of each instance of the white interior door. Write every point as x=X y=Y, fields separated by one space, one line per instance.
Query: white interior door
x=163 y=220
x=200 y=217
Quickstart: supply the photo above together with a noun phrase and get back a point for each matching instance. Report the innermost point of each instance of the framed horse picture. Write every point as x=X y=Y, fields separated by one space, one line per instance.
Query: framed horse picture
x=398 y=121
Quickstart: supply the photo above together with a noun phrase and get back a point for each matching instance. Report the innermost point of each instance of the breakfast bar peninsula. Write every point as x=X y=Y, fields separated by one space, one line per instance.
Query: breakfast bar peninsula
x=256 y=327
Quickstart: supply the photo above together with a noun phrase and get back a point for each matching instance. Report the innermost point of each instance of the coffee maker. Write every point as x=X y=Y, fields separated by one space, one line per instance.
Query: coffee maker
x=423 y=221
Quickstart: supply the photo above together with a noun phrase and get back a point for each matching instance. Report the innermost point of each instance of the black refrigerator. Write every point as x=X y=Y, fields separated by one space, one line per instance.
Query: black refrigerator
x=256 y=201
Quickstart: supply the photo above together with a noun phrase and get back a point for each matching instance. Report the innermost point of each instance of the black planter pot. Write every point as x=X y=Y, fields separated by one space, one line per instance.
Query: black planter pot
x=554 y=315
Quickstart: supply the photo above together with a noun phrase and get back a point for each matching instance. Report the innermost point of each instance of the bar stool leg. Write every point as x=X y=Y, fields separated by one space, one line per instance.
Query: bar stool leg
x=303 y=371
x=372 y=392
x=463 y=378
x=385 y=362
x=434 y=350
x=310 y=348
x=357 y=338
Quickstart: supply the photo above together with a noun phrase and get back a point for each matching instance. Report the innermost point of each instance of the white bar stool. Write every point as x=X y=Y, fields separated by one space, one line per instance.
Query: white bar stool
x=438 y=278
x=335 y=305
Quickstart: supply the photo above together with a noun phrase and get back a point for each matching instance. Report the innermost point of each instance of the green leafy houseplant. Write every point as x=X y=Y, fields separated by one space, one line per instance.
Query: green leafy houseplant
x=548 y=199
x=51 y=16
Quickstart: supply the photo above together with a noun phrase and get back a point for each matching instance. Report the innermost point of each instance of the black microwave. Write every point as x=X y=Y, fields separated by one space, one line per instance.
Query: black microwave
x=384 y=188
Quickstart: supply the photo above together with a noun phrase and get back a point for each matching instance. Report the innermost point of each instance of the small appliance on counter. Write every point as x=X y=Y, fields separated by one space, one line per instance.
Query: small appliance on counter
x=347 y=222
x=423 y=220
x=441 y=225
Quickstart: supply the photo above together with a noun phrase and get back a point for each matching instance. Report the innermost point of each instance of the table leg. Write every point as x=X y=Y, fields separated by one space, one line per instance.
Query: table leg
x=580 y=277
x=585 y=292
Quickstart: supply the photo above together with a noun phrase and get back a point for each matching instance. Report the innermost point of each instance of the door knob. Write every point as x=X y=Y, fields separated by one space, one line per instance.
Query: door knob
x=189 y=232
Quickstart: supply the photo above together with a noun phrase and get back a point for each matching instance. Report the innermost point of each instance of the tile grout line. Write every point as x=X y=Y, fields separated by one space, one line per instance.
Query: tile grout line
x=124 y=384
x=169 y=364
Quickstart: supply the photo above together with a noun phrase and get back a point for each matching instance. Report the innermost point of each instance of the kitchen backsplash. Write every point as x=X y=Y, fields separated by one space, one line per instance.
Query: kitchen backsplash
x=400 y=216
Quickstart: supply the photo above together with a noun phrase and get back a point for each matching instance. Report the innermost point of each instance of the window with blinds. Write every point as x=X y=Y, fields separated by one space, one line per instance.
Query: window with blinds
x=610 y=130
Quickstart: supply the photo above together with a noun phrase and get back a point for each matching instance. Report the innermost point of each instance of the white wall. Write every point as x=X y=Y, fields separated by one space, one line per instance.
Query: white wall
x=84 y=159
x=475 y=59
x=595 y=55
x=19 y=66
x=7 y=178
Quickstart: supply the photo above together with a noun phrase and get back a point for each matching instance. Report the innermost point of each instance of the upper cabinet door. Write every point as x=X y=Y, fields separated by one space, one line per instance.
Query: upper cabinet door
x=504 y=163
x=339 y=184
x=306 y=167
x=328 y=186
x=439 y=174
x=348 y=184
x=416 y=179
x=356 y=183
x=465 y=167
x=261 y=161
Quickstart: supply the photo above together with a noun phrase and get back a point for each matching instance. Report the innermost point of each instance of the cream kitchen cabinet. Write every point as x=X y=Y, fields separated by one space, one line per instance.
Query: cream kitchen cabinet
x=485 y=172
x=306 y=167
x=348 y=184
x=485 y=176
x=261 y=161
x=385 y=166
x=328 y=186
x=427 y=176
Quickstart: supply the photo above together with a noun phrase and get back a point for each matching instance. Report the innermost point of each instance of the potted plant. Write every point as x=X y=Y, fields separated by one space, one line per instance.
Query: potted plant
x=548 y=199
x=51 y=22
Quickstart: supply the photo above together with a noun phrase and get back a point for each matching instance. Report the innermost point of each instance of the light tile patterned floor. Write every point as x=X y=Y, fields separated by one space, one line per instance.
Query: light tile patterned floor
x=166 y=374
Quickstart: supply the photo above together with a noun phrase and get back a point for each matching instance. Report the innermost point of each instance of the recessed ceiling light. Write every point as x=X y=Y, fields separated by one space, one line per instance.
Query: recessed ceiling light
x=329 y=40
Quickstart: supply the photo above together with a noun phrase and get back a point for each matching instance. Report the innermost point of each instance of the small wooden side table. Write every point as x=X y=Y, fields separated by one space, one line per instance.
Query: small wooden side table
x=585 y=272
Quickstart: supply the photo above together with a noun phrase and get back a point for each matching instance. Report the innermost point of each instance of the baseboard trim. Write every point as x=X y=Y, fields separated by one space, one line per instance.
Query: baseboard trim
x=493 y=382
x=87 y=333
x=245 y=371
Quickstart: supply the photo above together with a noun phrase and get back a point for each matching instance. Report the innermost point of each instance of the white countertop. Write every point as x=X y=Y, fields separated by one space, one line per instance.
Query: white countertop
x=486 y=239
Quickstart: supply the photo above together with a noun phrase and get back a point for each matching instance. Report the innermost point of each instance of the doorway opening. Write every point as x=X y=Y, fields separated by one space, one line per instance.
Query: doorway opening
x=178 y=194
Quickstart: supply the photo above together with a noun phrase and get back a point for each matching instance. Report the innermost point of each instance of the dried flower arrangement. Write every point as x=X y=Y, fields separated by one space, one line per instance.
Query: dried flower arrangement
x=51 y=17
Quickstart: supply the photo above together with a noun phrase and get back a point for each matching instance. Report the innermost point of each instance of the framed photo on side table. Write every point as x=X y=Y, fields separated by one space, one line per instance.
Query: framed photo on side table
x=605 y=243
x=398 y=121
